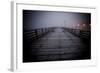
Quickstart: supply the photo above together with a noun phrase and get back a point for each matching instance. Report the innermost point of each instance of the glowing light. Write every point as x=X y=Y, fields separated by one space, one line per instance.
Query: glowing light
x=78 y=25
x=84 y=24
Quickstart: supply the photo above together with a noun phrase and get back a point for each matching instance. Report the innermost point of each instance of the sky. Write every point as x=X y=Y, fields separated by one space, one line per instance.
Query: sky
x=40 y=19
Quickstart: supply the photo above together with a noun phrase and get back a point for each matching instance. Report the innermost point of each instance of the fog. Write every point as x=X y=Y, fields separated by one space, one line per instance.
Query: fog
x=42 y=19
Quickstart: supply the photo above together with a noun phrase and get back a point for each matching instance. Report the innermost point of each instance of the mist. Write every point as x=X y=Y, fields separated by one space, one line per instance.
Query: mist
x=41 y=19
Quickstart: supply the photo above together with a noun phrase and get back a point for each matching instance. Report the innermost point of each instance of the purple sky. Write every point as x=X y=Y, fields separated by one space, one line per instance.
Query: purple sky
x=40 y=19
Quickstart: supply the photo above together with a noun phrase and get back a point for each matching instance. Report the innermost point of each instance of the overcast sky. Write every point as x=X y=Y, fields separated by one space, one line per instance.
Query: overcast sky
x=41 y=19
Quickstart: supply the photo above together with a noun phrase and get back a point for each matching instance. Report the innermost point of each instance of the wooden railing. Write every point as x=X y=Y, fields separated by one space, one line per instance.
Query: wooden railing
x=84 y=34
x=30 y=35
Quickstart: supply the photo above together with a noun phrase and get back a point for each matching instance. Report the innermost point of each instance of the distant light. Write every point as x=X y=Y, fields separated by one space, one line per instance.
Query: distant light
x=84 y=24
x=78 y=25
